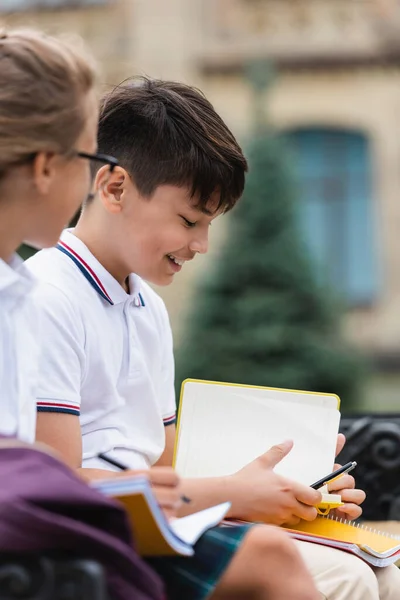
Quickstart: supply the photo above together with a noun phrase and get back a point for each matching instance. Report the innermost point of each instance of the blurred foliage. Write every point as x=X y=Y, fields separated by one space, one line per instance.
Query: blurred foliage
x=260 y=316
x=26 y=251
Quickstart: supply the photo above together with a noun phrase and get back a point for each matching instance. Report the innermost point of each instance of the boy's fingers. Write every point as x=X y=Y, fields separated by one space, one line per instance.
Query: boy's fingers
x=306 y=495
x=130 y=473
x=167 y=498
x=275 y=454
x=343 y=483
x=340 y=442
x=350 y=511
x=164 y=476
x=307 y=513
x=353 y=496
x=292 y=521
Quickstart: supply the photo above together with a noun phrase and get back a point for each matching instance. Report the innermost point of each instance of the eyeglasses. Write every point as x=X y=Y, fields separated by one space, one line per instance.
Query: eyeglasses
x=98 y=160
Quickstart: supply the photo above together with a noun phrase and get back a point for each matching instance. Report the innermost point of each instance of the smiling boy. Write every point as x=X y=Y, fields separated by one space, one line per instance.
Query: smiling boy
x=107 y=376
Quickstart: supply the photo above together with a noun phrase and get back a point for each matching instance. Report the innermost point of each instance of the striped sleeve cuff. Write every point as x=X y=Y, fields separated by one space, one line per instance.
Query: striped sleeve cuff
x=66 y=406
x=170 y=419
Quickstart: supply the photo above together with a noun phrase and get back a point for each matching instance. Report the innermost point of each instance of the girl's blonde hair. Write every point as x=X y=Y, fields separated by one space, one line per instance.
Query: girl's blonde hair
x=43 y=81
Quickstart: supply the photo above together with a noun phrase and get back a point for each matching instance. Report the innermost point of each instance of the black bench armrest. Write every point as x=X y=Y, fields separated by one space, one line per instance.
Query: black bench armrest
x=27 y=577
x=373 y=440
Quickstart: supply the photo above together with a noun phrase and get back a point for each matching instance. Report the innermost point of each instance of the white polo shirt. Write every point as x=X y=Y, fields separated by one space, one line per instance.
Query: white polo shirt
x=19 y=351
x=107 y=355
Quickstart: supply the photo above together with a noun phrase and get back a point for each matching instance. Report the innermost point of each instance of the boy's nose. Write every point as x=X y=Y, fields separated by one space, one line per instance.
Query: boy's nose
x=199 y=245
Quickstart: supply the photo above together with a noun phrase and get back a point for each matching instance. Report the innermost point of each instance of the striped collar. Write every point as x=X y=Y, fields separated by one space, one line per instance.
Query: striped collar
x=94 y=272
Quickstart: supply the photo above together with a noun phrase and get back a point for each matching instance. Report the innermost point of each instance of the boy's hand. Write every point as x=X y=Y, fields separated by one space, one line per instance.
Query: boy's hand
x=352 y=498
x=166 y=486
x=259 y=494
x=345 y=486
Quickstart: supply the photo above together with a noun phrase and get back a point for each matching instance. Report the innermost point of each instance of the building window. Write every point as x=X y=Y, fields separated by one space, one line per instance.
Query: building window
x=335 y=209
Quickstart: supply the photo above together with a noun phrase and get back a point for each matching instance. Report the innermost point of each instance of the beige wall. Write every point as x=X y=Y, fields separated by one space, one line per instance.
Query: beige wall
x=165 y=37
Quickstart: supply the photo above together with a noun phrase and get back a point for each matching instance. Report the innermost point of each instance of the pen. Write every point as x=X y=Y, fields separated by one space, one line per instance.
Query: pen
x=113 y=462
x=335 y=475
x=122 y=467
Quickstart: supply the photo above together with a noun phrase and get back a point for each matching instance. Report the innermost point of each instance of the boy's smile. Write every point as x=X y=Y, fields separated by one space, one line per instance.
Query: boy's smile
x=176 y=263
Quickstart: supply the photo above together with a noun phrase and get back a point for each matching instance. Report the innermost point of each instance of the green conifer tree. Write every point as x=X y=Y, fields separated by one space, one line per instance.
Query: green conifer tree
x=260 y=316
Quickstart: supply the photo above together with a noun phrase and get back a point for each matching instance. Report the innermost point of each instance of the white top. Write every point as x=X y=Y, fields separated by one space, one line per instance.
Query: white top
x=107 y=357
x=19 y=351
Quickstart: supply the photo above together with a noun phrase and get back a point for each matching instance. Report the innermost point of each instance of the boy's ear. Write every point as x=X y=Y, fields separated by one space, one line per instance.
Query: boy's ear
x=111 y=186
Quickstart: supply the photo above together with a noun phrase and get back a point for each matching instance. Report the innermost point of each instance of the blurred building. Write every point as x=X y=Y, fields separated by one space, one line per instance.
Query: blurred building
x=105 y=25
x=336 y=94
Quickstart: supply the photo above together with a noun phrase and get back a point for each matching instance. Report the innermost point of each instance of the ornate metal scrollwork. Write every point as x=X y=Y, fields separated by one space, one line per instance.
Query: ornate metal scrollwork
x=25 y=578
x=374 y=442
x=44 y=578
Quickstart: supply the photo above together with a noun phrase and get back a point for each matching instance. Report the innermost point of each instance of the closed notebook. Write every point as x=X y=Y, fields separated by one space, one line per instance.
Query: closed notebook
x=376 y=548
x=222 y=427
x=154 y=535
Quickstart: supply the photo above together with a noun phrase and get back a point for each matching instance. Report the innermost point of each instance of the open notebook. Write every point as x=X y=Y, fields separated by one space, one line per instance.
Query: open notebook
x=222 y=427
x=153 y=534
x=376 y=548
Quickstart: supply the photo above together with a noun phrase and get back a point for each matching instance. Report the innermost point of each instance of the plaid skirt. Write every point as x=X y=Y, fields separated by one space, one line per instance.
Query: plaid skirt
x=195 y=577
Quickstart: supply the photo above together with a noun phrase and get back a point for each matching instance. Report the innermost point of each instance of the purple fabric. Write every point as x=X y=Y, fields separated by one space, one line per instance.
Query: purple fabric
x=45 y=507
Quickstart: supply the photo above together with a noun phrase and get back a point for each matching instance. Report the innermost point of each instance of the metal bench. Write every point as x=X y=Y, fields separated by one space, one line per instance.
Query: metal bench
x=50 y=578
x=373 y=440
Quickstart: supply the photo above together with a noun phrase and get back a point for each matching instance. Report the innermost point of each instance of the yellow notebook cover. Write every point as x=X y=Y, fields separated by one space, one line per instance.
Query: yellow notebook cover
x=147 y=530
x=372 y=542
x=154 y=535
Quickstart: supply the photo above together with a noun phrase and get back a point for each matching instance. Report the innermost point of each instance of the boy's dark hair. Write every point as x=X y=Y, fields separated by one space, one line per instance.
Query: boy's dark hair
x=164 y=132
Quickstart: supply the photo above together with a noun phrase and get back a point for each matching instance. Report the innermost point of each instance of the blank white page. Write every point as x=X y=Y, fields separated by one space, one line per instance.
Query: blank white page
x=224 y=427
x=190 y=528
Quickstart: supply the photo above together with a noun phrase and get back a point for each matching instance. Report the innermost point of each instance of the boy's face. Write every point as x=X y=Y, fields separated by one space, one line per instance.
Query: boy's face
x=158 y=235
